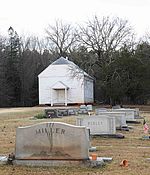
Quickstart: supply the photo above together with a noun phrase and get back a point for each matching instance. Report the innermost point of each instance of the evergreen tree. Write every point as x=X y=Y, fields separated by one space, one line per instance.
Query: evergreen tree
x=12 y=74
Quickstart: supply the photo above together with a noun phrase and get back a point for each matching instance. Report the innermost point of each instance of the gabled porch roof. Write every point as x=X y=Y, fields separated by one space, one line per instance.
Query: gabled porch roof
x=59 y=85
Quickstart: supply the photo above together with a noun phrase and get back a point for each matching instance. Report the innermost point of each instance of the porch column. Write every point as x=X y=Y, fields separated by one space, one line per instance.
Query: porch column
x=65 y=96
x=51 y=96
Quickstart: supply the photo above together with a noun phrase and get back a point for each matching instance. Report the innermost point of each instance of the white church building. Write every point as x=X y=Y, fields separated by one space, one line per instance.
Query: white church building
x=63 y=83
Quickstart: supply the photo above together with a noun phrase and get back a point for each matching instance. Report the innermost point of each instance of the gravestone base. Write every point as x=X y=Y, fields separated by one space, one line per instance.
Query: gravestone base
x=48 y=162
x=118 y=136
x=133 y=121
x=57 y=163
x=146 y=137
x=123 y=128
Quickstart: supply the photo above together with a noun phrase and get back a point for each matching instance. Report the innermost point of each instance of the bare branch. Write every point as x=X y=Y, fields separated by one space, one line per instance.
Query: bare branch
x=104 y=36
x=61 y=37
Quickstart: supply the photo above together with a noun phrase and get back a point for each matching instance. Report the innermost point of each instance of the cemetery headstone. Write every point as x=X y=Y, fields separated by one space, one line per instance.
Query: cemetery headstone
x=98 y=125
x=51 y=113
x=62 y=112
x=89 y=108
x=129 y=113
x=72 y=111
x=52 y=141
x=99 y=110
x=116 y=107
x=120 y=117
x=137 y=113
x=83 y=109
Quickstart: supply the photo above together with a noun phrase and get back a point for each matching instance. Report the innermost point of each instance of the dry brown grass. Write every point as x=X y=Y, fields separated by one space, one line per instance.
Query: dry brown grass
x=132 y=148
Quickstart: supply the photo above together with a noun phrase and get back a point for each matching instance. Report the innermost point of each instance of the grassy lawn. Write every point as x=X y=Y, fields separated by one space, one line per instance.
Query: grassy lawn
x=132 y=148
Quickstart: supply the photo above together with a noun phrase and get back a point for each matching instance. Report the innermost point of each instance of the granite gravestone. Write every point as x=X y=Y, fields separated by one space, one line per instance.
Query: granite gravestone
x=98 y=125
x=52 y=141
x=62 y=112
x=98 y=110
x=120 y=117
x=130 y=113
x=89 y=108
x=72 y=111
x=83 y=109
x=116 y=107
x=137 y=113
x=51 y=113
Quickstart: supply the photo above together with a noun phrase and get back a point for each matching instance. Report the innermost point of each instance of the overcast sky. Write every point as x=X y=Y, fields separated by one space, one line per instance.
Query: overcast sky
x=33 y=16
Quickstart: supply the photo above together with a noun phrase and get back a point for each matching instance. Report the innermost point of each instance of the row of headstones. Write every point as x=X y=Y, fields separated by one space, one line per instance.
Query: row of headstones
x=51 y=113
x=107 y=121
x=61 y=141
x=104 y=121
x=129 y=114
x=86 y=109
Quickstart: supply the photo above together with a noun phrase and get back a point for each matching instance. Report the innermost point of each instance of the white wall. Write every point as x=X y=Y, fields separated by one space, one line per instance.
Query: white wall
x=55 y=73
x=88 y=90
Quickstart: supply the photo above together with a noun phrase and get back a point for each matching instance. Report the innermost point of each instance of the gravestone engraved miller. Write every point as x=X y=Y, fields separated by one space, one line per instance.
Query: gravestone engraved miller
x=52 y=141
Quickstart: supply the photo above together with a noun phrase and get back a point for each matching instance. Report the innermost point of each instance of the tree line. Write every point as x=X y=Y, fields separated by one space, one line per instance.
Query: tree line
x=106 y=48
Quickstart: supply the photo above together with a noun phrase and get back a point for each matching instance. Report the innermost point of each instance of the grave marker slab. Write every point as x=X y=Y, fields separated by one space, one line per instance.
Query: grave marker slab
x=120 y=117
x=116 y=107
x=89 y=107
x=98 y=110
x=98 y=125
x=72 y=111
x=52 y=141
x=51 y=113
x=62 y=112
x=137 y=113
x=83 y=109
x=130 y=113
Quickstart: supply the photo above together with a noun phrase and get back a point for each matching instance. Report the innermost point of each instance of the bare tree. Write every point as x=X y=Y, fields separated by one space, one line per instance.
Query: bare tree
x=104 y=36
x=61 y=37
x=33 y=43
